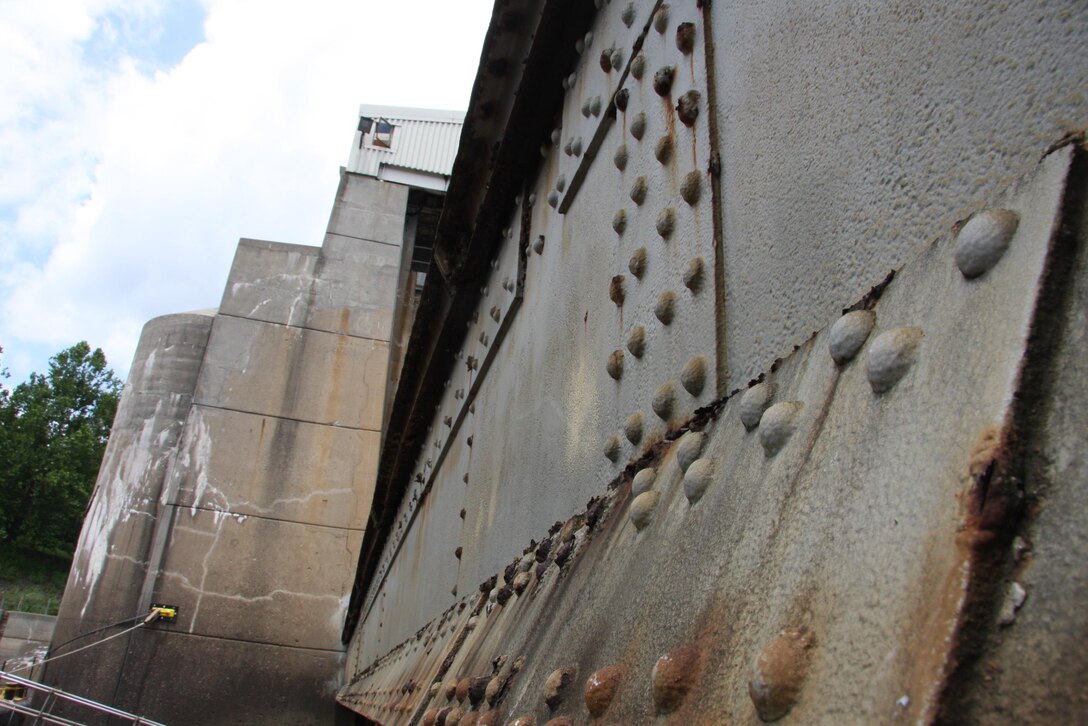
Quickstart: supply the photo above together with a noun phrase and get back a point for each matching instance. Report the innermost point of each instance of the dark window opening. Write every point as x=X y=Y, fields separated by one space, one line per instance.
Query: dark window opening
x=383 y=135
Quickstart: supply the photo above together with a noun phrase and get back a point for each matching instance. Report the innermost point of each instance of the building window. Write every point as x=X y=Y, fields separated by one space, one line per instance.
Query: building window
x=383 y=135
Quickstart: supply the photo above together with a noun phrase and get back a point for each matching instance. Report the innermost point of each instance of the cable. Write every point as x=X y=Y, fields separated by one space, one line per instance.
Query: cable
x=153 y=616
x=126 y=621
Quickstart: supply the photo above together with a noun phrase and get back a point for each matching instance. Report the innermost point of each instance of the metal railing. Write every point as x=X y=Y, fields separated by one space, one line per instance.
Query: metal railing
x=50 y=697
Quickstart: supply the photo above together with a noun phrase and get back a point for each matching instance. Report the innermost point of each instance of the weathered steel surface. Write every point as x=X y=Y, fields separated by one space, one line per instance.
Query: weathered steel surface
x=837 y=520
x=845 y=527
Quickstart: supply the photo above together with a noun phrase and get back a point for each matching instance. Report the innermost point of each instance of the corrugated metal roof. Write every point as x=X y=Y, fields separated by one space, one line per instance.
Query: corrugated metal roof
x=424 y=140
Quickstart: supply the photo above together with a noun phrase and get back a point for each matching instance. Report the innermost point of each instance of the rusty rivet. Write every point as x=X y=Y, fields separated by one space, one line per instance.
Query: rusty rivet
x=636 y=341
x=638 y=190
x=504 y=594
x=663 y=149
x=777 y=425
x=688 y=450
x=666 y=307
x=619 y=221
x=614 y=366
x=661 y=18
x=754 y=402
x=891 y=355
x=693 y=377
x=663 y=80
x=643 y=481
x=538 y=245
x=601 y=688
x=983 y=240
x=620 y=157
x=687 y=107
x=491 y=718
x=494 y=688
x=666 y=222
x=453 y=718
x=638 y=126
x=693 y=275
x=606 y=60
x=622 y=97
x=616 y=291
x=471 y=718
x=632 y=427
x=449 y=689
x=435 y=688
x=638 y=66
x=458 y=552
x=672 y=677
x=691 y=188
x=430 y=716
x=521 y=581
x=555 y=685
x=462 y=689
x=526 y=562
x=849 y=333
x=628 y=15
x=612 y=448
x=617 y=58
x=642 y=509
x=524 y=721
x=664 y=400
x=561 y=183
x=478 y=688
x=685 y=37
x=779 y=672
x=637 y=263
x=553 y=199
x=697 y=478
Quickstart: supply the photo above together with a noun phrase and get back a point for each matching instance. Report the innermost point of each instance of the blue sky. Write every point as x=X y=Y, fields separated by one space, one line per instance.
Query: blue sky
x=139 y=140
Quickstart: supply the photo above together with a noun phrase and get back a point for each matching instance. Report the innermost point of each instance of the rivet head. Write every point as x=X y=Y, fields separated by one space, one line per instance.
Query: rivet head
x=638 y=190
x=572 y=79
x=849 y=333
x=891 y=355
x=567 y=148
x=637 y=263
x=524 y=721
x=692 y=187
x=553 y=199
x=638 y=66
x=642 y=509
x=663 y=149
x=560 y=184
x=983 y=240
x=430 y=716
x=687 y=107
x=462 y=689
x=595 y=105
x=685 y=37
x=664 y=400
x=494 y=688
x=666 y=223
x=622 y=97
x=617 y=58
x=688 y=450
x=693 y=377
x=619 y=221
x=601 y=689
x=522 y=581
x=576 y=147
x=673 y=675
x=538 y=245
x=754 y=402
x=693 y=275
x=665 y=309
x=661 y=19
x=663 y=80
x=636 y=341
x=697 y=478
x=614 y=366
x=638 y=126
x=643 y=481
x=449 y=689
x=612 y=448
x=616 y=290
x=556 y=136
x=496 y=313
x=779 y=673
x=632 y=428
x=777 y=425
x=628 y=15
x=606 y=60
x=588 y=38
x=554 y=686
x=620 y=157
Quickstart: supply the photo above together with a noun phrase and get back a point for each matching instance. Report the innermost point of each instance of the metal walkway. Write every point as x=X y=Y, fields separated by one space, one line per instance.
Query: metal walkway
x=49 y=697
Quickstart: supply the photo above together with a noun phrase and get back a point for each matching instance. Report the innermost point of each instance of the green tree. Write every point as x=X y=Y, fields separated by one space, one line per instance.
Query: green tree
x=53 y=432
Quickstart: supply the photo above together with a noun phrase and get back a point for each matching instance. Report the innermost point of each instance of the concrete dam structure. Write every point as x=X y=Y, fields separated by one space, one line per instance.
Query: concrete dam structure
x=745 y=383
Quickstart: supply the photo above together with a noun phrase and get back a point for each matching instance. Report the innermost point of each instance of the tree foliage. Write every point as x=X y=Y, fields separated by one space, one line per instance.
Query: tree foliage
x=53 y=432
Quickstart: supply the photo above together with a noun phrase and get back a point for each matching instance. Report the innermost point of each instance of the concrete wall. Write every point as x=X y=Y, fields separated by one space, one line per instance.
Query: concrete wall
x=829 y=145
x=24 y=638
x=263 y=473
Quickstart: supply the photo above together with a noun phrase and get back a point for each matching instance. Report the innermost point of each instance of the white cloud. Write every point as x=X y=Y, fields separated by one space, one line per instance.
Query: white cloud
x=124 y=186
